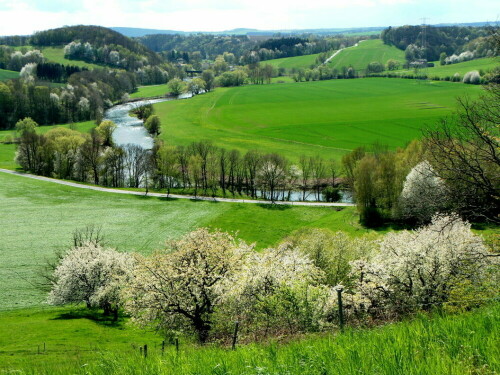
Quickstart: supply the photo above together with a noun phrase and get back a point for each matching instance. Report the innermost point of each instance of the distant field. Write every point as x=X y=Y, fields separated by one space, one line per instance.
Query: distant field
x=8 y=151
x=328 y=118
x=366 y=52
x=486 y=64
x=148 y=91
x=8 y=74
x=39 y=217
x=296 y=62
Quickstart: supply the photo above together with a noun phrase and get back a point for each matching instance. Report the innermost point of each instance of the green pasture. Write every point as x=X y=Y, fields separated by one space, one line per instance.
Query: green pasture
x=8 y=151
x=149 y=91
x=39 y=217
x=79 y=342
x=8 y=74
x=366 y=52
x=56 y=54
x=484 y=65
x=328 y=118
x=296 y=62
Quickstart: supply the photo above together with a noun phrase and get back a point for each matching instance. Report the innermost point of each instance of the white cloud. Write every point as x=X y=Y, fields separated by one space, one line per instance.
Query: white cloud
x=26 y=16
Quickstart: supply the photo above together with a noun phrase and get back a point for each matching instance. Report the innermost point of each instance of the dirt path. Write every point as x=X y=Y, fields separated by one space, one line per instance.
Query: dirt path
x=176 y=196
x=340 y=50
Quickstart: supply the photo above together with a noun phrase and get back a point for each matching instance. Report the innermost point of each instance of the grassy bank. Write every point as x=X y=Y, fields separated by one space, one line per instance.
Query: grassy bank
x=328 y=118
x=77 y=343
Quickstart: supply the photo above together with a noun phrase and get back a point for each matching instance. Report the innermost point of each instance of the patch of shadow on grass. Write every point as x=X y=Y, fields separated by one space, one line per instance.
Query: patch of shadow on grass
x=275 y=207
x=96 y=316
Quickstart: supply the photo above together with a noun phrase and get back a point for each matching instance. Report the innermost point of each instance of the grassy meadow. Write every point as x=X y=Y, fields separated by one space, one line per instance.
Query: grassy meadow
x=295 y=62
x=8 y=74
x=148 y=91
x=366 y=52
x=39 y=217
x=79 y=342
x=328 y=118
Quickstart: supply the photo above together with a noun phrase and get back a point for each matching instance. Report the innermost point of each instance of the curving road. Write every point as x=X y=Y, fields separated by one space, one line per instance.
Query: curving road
x=177 y=196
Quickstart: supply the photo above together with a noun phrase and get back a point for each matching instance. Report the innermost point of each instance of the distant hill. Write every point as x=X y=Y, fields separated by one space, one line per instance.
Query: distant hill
x=139 y=32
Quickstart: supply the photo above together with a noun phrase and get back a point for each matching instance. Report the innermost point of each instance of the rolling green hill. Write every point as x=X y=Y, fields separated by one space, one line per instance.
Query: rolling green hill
x=328 y=118
x=8 y=74
x=296 y=62
x=366 y=52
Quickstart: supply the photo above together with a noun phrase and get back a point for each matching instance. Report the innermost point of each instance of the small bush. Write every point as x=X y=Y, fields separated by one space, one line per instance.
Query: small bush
x=472 y=77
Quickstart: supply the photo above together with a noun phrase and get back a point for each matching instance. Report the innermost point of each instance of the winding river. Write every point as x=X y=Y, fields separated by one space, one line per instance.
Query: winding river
x=131 y=130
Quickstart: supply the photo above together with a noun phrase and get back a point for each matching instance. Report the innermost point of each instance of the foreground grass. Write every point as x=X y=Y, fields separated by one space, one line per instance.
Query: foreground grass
x=38 y=218
x=79 y=344
x=327 y=118
x=8 y=151
x=373 y=50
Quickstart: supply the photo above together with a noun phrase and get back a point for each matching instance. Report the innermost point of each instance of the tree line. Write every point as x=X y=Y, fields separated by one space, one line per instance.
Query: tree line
x=86 y=96
x=201 y=167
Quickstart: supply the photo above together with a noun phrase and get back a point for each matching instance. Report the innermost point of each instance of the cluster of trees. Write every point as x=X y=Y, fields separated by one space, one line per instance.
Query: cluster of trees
x=197 y=46
x=201 y=167
x=324 y=72
x=15 y=60
x=96 y=36
x=85 y=97
x=112 y=55
x=205 y=281
x=454 y=168
x=55 y=72
x=448 y=39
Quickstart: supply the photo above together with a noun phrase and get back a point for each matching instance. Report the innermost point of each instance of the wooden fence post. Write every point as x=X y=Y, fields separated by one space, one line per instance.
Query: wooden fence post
x=235 y=335
x=341 y=308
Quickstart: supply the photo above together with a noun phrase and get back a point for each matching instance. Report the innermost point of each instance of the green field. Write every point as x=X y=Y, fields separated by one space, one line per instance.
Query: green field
x=39 y=217
x=78 y=342
x=366 y=52
x=56 y=54
x=296 y=62
x=486 y=64
x=328 y=118
x=149 y=91
x=8 y=151
x=8 y=74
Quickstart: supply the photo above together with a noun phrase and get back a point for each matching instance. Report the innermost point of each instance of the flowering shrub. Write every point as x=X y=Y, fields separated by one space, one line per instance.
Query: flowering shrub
x=91 y=274
x=420 y=268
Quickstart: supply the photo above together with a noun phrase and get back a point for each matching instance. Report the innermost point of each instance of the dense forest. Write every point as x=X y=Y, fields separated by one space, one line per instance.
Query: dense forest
x=209 y=46
x=449 y=40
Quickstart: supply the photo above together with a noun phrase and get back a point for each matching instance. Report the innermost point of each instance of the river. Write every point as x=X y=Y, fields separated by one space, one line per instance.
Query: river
x=131 y=130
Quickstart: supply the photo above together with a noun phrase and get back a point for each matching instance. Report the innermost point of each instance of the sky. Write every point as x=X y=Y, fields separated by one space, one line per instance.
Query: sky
x=27 y=16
